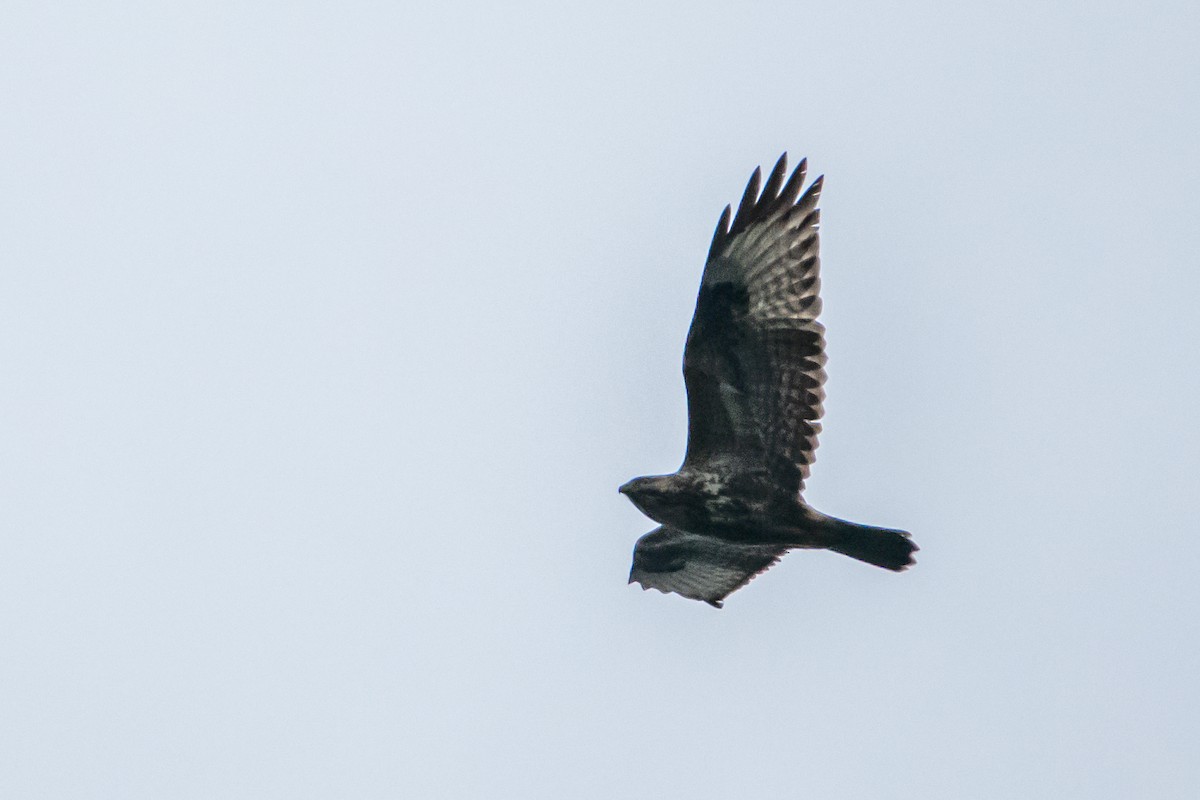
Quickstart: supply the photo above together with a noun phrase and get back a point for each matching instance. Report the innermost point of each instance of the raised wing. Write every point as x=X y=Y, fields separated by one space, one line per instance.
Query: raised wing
x=755 y=355
x=696 y=566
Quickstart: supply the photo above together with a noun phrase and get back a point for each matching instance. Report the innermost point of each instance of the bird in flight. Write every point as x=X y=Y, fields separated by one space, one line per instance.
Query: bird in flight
x=754 y=368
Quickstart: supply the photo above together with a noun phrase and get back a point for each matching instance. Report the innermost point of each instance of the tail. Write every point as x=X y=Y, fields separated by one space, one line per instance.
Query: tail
x=883 y=547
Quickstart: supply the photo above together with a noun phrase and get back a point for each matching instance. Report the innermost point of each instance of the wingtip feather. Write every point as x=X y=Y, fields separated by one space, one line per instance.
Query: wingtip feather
x=749 y=198
x=721 y=232
x=770 y=192
x=794 y=184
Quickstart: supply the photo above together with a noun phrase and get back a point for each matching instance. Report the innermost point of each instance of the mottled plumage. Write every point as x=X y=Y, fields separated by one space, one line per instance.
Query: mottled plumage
x=754 y=368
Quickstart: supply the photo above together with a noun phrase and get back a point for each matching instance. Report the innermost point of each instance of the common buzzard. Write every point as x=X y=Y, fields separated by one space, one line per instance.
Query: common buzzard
x=754 y=371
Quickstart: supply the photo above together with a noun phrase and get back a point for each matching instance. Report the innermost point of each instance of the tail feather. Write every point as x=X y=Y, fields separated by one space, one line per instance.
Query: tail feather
x=882 y=547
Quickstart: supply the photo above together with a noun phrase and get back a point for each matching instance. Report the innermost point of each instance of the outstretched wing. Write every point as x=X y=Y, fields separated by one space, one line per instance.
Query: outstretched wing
x=755 y=355
x=696 y=566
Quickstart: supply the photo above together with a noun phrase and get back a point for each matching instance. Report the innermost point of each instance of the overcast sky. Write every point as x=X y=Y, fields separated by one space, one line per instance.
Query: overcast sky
x=328 y=331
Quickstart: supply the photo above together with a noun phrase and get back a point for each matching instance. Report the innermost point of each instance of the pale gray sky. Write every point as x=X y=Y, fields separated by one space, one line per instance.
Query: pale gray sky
x=328 y=331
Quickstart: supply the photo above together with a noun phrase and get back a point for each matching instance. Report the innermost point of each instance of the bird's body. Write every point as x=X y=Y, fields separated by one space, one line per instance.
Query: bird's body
x=754 y=371
x=735 y=505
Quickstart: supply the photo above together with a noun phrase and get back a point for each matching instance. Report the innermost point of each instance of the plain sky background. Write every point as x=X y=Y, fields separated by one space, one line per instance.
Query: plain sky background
x=328 y=331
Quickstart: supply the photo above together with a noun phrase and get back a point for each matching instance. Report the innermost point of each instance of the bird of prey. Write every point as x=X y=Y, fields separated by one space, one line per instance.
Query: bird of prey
x=754 y=371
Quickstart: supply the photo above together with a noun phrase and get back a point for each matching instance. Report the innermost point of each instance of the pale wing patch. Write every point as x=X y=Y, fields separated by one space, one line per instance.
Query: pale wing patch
x=696 y=566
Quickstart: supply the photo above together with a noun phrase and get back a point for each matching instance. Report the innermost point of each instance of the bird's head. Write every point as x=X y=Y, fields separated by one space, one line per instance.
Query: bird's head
x=647 y=493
